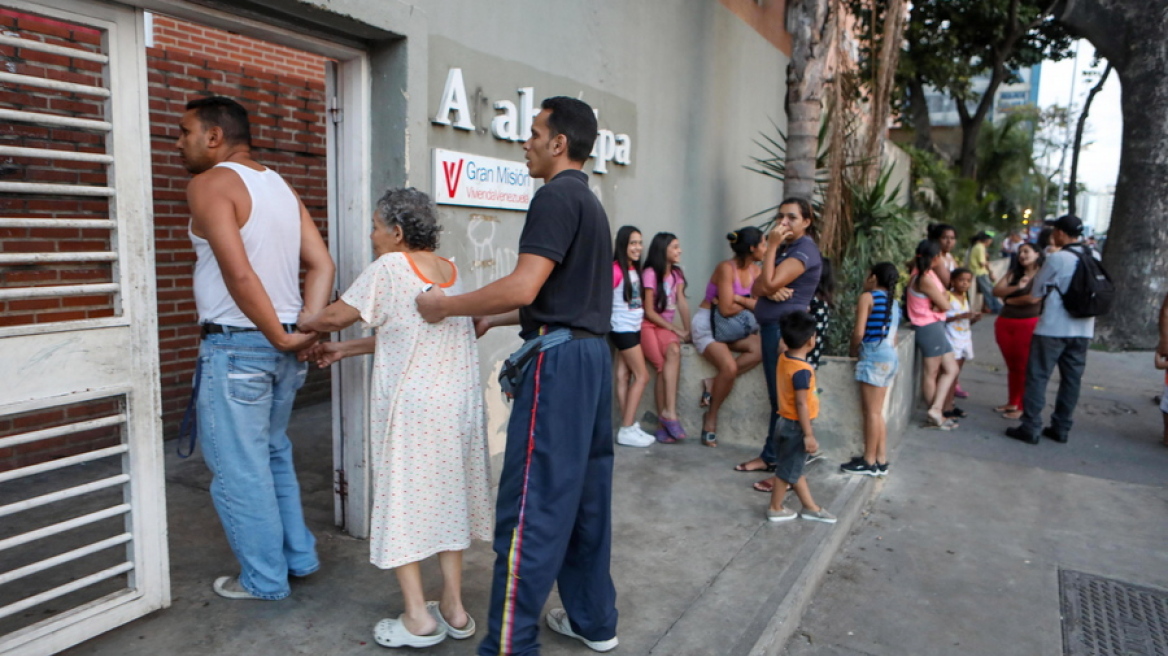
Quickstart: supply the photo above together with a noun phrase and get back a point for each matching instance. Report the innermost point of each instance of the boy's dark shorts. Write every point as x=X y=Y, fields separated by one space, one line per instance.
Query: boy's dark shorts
x=791 y=455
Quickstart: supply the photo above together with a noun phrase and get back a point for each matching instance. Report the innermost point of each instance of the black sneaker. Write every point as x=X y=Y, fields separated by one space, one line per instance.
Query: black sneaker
x=1052 y=433
x=882 y=468
x=1021 y=434
x=858 y=466
x=955 y=413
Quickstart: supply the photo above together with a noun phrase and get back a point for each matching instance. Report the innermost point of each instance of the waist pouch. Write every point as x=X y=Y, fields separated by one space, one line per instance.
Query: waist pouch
x=516 y=364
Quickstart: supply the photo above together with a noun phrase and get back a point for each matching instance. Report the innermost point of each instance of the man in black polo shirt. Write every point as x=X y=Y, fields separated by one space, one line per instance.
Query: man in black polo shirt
x=553 y=520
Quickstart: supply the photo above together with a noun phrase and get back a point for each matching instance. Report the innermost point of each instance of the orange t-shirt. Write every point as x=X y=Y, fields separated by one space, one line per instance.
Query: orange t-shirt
x=795 y=374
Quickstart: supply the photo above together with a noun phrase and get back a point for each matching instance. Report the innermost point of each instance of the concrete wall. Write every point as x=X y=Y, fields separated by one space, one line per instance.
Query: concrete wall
x=839 y=428
x=688 y=80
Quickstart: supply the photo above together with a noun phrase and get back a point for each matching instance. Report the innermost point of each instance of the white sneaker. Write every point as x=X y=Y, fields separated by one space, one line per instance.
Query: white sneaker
x=557 y=620
x=633 y=436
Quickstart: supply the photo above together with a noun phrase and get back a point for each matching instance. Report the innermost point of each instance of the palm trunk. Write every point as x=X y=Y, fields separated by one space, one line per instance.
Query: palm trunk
x=807 y=21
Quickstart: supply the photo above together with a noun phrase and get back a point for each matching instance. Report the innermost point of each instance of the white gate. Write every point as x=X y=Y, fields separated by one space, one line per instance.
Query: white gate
x=82 y=505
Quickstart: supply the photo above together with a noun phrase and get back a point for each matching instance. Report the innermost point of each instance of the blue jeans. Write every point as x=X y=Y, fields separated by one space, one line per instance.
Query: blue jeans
x=985 y=287
x=246 y=390
x=769 y=334
x=1070 y=355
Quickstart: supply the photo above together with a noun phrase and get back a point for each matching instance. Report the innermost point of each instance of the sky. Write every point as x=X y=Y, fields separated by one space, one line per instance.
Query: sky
x=1098 y=161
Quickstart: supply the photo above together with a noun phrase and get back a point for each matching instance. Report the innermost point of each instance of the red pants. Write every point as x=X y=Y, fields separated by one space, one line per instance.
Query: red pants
x=1013 y=336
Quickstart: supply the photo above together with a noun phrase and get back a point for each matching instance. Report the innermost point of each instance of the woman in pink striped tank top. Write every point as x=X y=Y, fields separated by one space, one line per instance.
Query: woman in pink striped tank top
x=927 y=304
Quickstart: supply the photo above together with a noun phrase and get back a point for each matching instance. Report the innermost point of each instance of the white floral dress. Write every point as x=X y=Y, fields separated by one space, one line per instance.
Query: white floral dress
x=428 y=424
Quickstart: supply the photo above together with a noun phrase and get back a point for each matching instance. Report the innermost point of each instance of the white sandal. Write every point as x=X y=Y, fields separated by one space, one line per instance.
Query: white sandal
x=465 y=632
x=391 y=632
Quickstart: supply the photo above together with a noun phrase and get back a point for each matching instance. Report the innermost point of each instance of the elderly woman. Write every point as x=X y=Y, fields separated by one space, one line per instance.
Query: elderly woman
x=428 y=424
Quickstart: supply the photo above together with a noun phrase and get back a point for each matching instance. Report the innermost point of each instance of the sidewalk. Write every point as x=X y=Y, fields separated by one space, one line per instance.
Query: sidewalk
x=962 y=551
x=698 y=570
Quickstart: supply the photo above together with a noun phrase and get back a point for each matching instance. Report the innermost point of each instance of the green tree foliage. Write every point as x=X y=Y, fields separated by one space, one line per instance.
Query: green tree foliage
x=951 y=43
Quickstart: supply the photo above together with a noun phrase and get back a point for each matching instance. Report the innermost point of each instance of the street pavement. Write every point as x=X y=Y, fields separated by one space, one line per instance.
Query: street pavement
x=960 y=551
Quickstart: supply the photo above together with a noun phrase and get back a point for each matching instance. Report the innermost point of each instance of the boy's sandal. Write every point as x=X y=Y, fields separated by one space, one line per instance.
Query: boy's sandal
x=742 y=467
x=767 y=485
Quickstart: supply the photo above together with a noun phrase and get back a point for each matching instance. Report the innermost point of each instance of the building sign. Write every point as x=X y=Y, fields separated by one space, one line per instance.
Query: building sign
x=513 y=122
x=477 y=181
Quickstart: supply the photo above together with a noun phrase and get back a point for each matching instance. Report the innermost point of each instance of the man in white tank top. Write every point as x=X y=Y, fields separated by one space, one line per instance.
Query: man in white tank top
x=251 y=233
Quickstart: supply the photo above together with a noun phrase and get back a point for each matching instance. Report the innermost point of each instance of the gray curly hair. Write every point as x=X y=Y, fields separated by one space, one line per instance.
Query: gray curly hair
x=414 y=213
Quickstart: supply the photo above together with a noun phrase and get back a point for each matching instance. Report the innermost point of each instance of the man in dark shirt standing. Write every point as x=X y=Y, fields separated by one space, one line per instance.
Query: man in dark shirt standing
x=553 y=520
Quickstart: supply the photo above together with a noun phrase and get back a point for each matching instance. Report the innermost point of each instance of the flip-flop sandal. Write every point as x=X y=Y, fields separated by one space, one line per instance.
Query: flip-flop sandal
x=706 y=398
x=947 y=425
x=741 y=467
x=465 y=632
x=673 y=427
x=391 y=632
x=663 y=436
x=709 y=438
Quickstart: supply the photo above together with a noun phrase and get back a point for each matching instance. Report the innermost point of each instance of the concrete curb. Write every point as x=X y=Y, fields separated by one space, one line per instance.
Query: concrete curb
x=768 y=634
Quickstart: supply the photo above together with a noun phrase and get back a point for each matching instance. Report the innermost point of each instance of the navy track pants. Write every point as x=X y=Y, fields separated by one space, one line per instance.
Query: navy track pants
x=554 y=515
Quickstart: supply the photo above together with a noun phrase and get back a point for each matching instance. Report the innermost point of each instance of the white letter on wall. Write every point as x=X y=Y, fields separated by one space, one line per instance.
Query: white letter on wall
x=624 y=150
x=603 y=151
x=526 y=112
x=503 y=126
x=454 y=100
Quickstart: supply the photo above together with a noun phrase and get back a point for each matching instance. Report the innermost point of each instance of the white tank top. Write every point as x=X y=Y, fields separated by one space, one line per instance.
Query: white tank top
x=271 y=238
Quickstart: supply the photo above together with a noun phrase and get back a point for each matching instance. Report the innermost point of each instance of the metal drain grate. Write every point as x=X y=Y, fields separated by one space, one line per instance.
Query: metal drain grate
x=1105 y=617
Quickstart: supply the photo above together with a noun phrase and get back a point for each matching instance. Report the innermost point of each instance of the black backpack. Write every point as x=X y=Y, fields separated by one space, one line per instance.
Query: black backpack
x=1091 y=291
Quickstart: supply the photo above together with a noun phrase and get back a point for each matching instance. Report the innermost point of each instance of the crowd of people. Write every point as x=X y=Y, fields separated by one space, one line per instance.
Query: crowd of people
x=768 y=303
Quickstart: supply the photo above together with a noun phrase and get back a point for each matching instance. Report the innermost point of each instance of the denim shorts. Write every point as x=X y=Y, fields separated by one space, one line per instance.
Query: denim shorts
x=791 y=455
x=878 y=364
x=932 y=341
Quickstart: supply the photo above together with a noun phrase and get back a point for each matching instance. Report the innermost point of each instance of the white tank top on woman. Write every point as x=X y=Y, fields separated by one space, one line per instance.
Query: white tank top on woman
x=626 y=315
x=271 y=238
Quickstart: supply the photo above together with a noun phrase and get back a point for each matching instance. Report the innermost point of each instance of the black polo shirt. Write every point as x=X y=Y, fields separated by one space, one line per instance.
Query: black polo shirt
x=567 y=224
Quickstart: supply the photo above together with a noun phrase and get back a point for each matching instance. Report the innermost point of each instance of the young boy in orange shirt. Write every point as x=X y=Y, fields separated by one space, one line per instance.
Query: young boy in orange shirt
x=798 y=406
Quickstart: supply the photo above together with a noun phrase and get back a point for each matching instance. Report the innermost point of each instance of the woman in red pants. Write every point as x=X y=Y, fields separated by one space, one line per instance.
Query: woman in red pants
x=1015 y=324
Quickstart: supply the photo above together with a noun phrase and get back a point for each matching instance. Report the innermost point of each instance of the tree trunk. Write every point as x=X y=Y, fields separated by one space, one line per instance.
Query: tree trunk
x=1072 y=190
x=971 y=123
x=922 y=127
x=1131 y=37
x=807 y=21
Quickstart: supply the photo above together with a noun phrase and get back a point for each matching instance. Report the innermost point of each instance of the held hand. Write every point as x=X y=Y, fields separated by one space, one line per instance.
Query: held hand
x=293 y=342
x=322 y=353
x=974 y=317
x=481 y=326
x=430 y=304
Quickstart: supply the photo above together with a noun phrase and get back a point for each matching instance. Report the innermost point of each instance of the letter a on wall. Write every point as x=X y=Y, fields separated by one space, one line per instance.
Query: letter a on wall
x=454 y=100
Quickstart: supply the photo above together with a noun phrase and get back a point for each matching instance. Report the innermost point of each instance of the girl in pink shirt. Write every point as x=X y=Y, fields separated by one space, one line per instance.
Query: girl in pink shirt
x=661 y=338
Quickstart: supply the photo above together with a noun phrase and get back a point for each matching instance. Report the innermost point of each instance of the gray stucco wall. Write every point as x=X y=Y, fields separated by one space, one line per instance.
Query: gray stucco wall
x=687 y=80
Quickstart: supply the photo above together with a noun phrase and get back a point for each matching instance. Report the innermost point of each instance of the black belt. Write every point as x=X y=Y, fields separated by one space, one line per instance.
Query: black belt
x=218 y=329
x=580 y=333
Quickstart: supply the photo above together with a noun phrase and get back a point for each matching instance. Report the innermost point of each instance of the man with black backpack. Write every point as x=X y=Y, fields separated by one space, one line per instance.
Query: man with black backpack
x=1075 y=289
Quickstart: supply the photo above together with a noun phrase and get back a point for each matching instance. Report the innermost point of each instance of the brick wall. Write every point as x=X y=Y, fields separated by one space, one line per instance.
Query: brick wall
x=283 y=90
